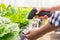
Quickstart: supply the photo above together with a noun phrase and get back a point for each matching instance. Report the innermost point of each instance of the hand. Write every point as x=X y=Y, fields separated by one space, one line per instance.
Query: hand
x=32 y=34
x=42 y=17
x=44 y=9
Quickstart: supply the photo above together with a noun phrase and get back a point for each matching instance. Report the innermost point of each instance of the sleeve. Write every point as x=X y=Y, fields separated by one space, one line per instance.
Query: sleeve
x=55 y=19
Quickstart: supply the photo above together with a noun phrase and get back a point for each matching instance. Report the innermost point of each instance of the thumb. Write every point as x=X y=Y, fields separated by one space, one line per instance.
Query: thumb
x=27 y=33
x=27 y=36
x=45 y=16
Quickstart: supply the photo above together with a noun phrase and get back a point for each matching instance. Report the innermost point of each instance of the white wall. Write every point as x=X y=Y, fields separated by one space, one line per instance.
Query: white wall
x=31 y=3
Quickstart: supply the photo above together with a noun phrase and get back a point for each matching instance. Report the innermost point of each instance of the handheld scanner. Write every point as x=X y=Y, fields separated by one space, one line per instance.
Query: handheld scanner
x=32 y=13
x=41 y=13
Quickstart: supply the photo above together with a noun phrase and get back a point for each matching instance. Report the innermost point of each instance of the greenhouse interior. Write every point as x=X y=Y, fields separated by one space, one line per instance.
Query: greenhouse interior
x=29 y=20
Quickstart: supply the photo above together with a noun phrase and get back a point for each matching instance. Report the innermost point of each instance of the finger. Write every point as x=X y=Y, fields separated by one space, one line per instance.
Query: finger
x=27 y=36
x=45 y=16
x=39 y=11
x=27 y=33
x=41 y=17
x=32 y=39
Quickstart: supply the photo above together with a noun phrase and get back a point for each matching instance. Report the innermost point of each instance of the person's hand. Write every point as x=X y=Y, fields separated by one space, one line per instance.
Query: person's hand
x=32 y=34
x=44 y=9
x=42 y=17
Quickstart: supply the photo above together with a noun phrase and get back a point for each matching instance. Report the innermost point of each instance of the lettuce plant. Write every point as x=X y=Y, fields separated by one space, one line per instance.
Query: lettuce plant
x=8 y=30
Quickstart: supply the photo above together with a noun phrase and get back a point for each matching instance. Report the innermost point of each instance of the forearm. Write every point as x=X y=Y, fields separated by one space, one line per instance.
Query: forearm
x=55 y=8
x=45 y=29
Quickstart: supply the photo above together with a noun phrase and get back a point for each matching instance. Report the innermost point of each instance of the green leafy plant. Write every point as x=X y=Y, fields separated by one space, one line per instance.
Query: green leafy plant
x=8 y=30
x=17 y=15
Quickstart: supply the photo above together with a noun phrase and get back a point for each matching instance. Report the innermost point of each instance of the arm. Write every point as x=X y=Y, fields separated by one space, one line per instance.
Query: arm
x=52 y=9
x=36 y=33
x=50 y=26
x=55 y=8
x=46 y=28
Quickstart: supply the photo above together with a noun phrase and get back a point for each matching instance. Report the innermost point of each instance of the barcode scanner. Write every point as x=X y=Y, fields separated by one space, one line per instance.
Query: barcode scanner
x=32 y=13
x=41 y=13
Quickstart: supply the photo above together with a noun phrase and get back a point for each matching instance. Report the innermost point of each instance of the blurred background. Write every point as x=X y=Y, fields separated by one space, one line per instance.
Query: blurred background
x=31 y=3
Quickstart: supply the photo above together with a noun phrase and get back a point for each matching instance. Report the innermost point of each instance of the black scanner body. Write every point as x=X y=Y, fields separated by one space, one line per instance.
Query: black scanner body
x=41 y=13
